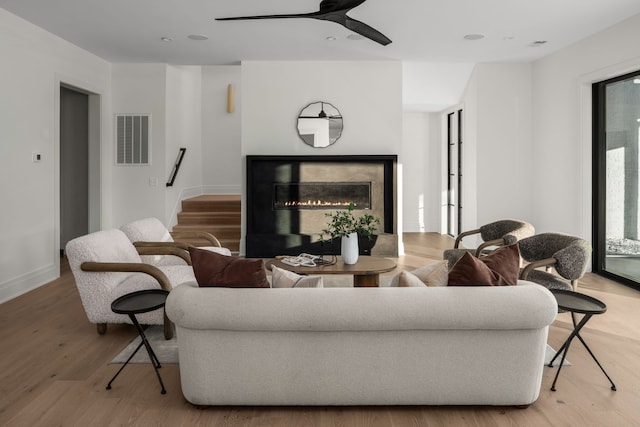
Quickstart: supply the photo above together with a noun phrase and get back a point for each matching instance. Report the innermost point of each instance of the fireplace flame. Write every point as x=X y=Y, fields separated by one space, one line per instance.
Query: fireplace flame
x=316 y=204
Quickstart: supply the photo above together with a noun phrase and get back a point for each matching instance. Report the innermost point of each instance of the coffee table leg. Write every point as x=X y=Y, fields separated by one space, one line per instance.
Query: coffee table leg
x=366 y=280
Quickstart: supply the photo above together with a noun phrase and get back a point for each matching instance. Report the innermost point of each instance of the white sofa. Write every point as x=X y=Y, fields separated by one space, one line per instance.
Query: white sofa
x=362 y=346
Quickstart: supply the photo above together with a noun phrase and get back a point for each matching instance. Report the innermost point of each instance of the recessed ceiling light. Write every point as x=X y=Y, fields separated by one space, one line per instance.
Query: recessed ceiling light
x=197 y=37
x=166 y=39
x=474 y=36
x=332 y=38
x=538 y=43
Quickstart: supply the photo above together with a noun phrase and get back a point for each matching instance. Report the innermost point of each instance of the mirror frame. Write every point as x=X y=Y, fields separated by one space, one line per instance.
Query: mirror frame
x=310 y=129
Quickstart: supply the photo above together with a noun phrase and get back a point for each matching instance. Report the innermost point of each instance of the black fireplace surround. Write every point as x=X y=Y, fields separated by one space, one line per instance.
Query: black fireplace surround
x=287 y=197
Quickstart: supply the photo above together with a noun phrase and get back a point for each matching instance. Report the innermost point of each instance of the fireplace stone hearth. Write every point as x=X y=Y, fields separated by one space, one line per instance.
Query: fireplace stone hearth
x=287 y=198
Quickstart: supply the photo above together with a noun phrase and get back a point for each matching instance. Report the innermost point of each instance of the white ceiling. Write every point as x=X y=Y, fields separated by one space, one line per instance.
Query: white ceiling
x=421 y=30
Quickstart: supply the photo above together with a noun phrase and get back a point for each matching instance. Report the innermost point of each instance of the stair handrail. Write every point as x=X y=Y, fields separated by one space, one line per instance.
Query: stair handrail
x=176 y=167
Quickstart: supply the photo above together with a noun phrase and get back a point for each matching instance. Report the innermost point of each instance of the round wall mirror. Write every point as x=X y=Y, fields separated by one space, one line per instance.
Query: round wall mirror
x=319 y=124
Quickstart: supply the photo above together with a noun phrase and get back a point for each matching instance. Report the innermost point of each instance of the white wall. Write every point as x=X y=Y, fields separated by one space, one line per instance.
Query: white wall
x=184 y=129
x=140 y=89
x=221 y=133
x=421 y=151
x=562 y=82
x=173 y=97
x=497 y=166
x=368 y=94
x=34 y=62
x=433 y=86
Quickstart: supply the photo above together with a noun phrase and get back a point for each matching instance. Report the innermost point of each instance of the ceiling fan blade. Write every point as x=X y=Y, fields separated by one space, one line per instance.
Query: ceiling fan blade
x=334 y=11
x=297 y=15
x=366 y=31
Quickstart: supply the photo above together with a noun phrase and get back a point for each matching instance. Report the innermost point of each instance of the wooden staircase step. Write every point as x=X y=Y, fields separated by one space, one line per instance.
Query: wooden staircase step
x=220 y=231
x=209 y=203
x=209 y=218
x=219 y=215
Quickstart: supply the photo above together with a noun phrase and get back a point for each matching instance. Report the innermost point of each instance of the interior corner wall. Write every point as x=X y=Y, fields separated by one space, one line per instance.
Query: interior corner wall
x=183 y=130
x=497 y=166
x=221 y=132
x=421 y=150
x=140 y=89
x=561 y=190
x=34 y=63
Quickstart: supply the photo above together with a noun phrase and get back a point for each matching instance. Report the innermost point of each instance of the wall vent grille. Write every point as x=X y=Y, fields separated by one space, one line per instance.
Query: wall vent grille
x=132 y=139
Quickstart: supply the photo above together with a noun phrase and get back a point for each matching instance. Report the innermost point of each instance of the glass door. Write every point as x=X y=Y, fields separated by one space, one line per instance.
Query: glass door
x=616 y=143
x=454 y=173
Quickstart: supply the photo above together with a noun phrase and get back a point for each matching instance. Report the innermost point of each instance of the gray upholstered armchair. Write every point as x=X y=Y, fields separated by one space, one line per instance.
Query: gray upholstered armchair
x=568 y=255
x=498 y=233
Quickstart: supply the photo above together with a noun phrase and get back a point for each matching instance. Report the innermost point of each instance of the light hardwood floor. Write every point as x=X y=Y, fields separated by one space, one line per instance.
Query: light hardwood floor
x=54 y=369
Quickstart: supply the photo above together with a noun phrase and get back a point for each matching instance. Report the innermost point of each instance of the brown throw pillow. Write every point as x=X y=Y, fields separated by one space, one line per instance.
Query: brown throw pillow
x=499 y=268
x=214 y=269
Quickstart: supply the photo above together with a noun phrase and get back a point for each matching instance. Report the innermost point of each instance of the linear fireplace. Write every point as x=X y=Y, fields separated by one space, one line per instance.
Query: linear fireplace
x=287 y=198
x=321 y=195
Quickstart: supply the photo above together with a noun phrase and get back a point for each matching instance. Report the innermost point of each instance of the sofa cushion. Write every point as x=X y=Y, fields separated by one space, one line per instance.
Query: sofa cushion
x=430 y=275
x=214 y=269
x=499 y=268
x=407 y=279
x=281 y=278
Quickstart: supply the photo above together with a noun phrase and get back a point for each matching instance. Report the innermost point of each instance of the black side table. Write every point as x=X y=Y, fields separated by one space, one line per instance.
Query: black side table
x=135 y=303
x=575 y=302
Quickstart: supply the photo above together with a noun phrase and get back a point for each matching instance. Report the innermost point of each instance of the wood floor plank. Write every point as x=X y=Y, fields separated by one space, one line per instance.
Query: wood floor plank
x=54 y=368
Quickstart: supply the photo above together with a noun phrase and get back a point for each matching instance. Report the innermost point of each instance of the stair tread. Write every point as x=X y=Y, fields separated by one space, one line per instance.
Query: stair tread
x=214 y=197
x=218 y=214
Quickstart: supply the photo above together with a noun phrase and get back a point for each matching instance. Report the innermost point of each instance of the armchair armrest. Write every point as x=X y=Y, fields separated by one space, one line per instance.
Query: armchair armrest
x=462 y=235
x=496 y=242
x=531 y=266
x=197 y=235
x=134 y=267
x=164 y=248
x=129 y=267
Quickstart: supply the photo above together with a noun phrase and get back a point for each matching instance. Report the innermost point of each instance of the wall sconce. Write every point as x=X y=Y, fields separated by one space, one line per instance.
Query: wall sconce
x=230 y=99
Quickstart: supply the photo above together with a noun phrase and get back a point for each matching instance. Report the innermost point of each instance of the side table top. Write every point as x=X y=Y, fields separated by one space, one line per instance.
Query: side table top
x=577 y=302
x=140 y=301
x=366 y=265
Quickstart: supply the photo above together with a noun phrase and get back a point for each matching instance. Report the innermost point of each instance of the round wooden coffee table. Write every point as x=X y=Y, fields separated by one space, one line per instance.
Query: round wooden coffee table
x=366 y=272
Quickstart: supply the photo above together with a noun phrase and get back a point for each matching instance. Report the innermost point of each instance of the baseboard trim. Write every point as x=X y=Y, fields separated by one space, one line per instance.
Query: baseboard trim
x=222 y=189
x=28 y=282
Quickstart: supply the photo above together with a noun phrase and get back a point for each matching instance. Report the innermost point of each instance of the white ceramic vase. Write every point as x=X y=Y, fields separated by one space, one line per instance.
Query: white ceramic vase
x=349 y=249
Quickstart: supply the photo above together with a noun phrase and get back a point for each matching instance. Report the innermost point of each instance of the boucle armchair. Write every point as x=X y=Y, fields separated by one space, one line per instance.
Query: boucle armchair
x=498 y=233
x=106 y=265
x=568 y=255
x=152 y=233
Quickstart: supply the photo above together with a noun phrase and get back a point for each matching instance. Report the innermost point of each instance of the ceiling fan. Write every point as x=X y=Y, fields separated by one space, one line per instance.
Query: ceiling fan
x=334 y=11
